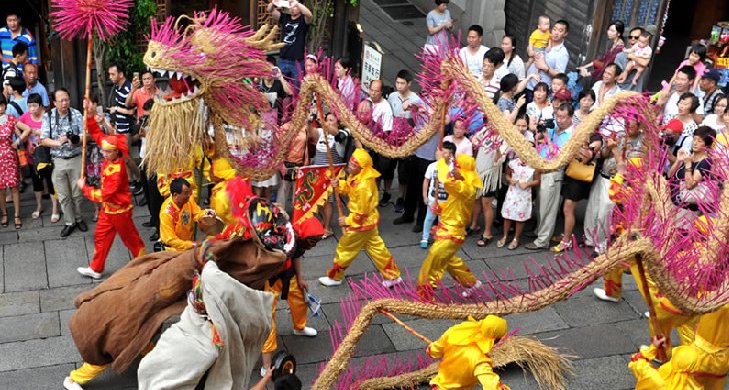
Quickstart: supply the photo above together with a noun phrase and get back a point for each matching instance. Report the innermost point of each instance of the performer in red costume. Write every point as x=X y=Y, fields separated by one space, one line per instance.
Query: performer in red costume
x=116 y=213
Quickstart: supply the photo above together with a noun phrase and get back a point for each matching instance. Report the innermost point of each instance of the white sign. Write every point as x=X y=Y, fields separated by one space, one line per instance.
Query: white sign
x=371 y=65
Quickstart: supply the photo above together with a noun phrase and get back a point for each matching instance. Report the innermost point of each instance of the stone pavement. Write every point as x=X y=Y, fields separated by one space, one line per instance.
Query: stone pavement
x=38 y=282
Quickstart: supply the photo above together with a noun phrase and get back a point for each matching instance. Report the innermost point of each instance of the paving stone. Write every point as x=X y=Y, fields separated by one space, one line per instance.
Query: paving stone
x=60 y=298
x=544 y=320
x=38 y=353
x=28 y=326
x=637 y=331
x=25 y=267
x=404 y=341
x=18 y=303
x=63 y=257
x=313 y=267
x=65 y=316
x=329 y=294
x=44 y=233
x=517 y=378
x=9 y=237
x=590 y=341
x=582 y=311
x=594 y=374
x=635 y=300
x=41 y=378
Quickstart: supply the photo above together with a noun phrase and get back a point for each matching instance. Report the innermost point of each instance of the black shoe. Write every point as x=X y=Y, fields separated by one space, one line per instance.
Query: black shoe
x=399 y=205
x=418 y=228
x=402 y=220
x=142 y=202
x=154 y=237
x=385 y=199
x=136 y=188
x=147 y=224
x=67 y=230
x=81 y=225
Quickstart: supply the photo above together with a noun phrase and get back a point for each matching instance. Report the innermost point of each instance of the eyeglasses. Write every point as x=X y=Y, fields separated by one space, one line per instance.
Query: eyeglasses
x=634 y=36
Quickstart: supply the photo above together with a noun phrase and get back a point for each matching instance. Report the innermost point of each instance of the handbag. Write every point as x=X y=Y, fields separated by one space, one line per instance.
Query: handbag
x=700 y=193
x=581 y=171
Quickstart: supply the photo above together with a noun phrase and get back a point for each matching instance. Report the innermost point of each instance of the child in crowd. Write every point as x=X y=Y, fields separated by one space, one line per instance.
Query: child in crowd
x=696 y=58
x=518 y=202
x=431 y=175
x=539 y=39
x=559 y=83
x=642 y=49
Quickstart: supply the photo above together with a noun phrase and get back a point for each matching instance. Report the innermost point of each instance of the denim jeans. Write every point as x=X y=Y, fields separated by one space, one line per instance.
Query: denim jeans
x=428 y=221
x=291 y=69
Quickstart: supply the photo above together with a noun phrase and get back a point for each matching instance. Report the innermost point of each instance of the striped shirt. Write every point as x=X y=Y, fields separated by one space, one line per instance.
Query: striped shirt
x=7 y=42
x=120 y=98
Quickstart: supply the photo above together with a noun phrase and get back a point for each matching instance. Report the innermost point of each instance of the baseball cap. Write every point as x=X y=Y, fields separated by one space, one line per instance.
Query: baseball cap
x=712 y=74
x=674 y=125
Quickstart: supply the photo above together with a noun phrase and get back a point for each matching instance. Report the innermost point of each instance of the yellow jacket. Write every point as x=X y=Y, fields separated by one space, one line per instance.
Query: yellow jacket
x=176 y=225
x=464 y=352
x=456 y=211
x=362 y=191
x=703 y=364
x=187 y=173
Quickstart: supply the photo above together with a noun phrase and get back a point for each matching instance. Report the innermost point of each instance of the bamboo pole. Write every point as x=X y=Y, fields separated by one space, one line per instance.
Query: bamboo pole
x=662 y=354
x=87 y=97
x=322 y=118
x=406 y=326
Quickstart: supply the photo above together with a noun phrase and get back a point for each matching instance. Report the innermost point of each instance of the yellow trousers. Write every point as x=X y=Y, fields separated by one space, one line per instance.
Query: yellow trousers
x=354 y=241
x=667 y=315
x=442 y=257
x=613 y=282
x=297 y=304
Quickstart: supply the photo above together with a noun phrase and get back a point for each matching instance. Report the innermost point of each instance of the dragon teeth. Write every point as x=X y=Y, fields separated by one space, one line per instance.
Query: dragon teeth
x=179 y=75
x=196 y=90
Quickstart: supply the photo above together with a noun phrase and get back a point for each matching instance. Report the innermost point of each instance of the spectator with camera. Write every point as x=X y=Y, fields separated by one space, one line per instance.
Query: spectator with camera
x=549 y=142
x=60 y=131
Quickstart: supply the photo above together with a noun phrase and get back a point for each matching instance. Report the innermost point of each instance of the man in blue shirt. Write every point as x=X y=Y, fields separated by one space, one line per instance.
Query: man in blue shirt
x=30 y=71
x=550 y=186
x=555 y=60
x=13 y=33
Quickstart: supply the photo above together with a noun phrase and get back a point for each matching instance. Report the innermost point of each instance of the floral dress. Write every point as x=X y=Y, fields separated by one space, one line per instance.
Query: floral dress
x=518 y=202
x=9 y=172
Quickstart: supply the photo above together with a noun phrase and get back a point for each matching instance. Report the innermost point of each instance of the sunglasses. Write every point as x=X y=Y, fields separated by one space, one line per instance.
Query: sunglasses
x=634 y=36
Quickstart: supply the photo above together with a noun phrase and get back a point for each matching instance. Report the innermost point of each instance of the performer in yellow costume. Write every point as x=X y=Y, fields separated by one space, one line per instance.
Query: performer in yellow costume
x=178 y=215
x=703 y=364
x=360 y=226
x=187 y=173
x=460 y=182
x=291 y=285
x=464 y=353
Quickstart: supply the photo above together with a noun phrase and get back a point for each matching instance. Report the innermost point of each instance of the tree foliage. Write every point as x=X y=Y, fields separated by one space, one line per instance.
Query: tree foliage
x=127 y=47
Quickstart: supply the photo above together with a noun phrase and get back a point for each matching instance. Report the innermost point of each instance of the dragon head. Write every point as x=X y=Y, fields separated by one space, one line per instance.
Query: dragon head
x=210 y=60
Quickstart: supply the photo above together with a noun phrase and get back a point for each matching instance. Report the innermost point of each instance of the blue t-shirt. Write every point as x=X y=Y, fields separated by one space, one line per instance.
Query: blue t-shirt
x=435 y=19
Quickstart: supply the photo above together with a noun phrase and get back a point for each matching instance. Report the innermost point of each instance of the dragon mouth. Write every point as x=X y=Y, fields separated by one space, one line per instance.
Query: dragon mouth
x=184 y=87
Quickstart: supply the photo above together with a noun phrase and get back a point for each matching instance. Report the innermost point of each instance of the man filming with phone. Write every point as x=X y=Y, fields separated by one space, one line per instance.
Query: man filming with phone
x=294 y=19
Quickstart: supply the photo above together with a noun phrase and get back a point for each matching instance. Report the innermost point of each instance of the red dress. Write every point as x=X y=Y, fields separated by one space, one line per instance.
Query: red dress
x=9 y=172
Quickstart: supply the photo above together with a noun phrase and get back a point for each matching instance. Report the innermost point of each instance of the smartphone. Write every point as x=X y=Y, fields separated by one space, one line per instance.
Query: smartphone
x=275 y=72
x=136 y=75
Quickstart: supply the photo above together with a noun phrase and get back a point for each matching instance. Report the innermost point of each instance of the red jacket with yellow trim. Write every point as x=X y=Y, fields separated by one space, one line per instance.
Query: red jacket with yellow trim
x=114 y=192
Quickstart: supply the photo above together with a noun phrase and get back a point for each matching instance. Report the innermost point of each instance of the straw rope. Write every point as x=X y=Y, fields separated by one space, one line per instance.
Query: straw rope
x=548 y=366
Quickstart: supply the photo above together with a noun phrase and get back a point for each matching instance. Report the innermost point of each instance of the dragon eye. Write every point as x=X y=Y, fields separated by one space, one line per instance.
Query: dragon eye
x=153 y=54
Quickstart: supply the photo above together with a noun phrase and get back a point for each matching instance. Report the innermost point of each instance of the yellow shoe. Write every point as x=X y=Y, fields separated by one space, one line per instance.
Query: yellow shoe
x=563 y=246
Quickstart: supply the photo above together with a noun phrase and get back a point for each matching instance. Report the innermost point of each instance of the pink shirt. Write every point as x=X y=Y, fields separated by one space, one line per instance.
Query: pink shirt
x=465 y=147
x=699 y=67
x=27 y=119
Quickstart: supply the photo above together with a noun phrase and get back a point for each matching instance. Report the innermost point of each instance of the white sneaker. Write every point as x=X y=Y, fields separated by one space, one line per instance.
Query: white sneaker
x=87 y=271
x=602 y=295
x=647 y=314
x=69 y=384
x=307 y=331
x=389 y=283
x=469 y=291
x=263 y=372
x=329 y=282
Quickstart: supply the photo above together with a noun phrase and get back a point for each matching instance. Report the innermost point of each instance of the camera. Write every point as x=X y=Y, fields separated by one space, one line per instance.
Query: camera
x=74 y=139
x=547 y=124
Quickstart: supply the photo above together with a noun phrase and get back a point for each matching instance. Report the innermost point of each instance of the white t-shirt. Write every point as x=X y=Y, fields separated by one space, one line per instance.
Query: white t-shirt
x=670 y=110
x=545 y=113
x=382 y=114
x=500 y=72
x=465 y=147
x=474 y=62
x=430 y=174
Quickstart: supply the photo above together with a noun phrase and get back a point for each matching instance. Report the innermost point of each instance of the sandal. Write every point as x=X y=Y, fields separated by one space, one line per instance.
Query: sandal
x=327 y=234
x=55 y=217
x=36 y=214
x=501 y=242
x=4 y=221
x=470 y=230
x=18 y=222
x=484 y=241
x=513 y=245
